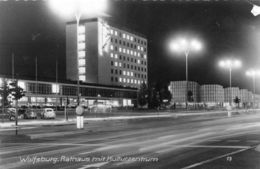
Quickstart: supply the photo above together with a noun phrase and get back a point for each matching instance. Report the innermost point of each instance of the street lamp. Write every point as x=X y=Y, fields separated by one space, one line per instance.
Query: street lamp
x=78 y=8
x=230 y=64
x=185 y=45
x=255 y=10
x=253 y=73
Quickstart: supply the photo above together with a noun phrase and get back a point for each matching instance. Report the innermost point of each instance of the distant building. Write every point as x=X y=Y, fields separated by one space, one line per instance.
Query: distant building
x=178 y=90
x=212 y=94
x=108 y=55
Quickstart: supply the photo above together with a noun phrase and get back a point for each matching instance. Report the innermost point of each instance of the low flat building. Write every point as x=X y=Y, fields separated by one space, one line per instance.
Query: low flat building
x=212 y=94
x=230 y=94
x=178 y=90
x=42 y=93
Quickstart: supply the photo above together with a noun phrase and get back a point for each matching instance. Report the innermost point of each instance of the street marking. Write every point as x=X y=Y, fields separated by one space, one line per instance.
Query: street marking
x=233 y=141
x=253 y=141
x=201 y=146
x=215 y=158
x=20 y=128
x=214 y=140
x=88 y=152
x=97 y=165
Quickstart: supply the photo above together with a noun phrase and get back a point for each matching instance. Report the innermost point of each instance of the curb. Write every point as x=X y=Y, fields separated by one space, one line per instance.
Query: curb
x=161 y=115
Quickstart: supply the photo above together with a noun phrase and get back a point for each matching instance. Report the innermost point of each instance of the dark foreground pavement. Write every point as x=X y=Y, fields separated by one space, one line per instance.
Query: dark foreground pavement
x=170 y=143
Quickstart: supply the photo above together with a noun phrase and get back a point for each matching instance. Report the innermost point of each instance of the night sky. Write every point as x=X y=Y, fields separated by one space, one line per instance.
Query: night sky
x=227 y=28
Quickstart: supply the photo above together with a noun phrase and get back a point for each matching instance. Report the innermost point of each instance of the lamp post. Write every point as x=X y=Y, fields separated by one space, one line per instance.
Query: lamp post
x=78 y=8
x=230 y=64
x=253 y=73
x=185 y=45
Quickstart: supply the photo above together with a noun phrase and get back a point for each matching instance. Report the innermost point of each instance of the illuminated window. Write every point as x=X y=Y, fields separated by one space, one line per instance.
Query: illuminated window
x=1 y=81
x=124 y=50
x=135 y=53
x=111 y=31
x=138 y=54
x=135 y=81
x=116 y=56
x=132 y=74
x=81 y=38
x=132 y=81
x=82 y=70
x=111 y=47
x=138 y=82
x=131 y=52
x=128 y=80
x=21 y=84
x=124 y=80
x=127 y=37
x=123 y=72
x=81 y=46
x=127 y=51
x=55 y=88
x=82 y=62
x=116 y=33
x=116 y=64
x=132 y=38
x=142 y=49
x=145 y=56
x=120 y=64
x=81 y=54
x=82 y=78
x=120 y=79
x=138 y=61
x=128 y=73
x=81 y=29
x=123 y=35
x=138 y=47
x=120 y=49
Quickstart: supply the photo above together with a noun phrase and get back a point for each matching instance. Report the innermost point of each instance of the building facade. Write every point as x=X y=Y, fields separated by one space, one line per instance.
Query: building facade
x=106 y=54
x=178 y=90
x=212 y=93
x=230 y=94
x=40 y=93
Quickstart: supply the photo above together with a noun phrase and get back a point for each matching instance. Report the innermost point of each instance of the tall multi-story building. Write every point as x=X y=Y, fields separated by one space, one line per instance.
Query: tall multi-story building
x=212 y=93
x=178 y=90
x=106 y=54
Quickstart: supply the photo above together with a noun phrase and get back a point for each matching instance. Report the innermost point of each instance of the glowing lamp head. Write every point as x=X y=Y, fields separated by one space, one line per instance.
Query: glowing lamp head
x=70 y=7
x=196 y=45
x=183 y=44
x=237 y=63
x=253 y=72
x=230 y=63
x=255 y=10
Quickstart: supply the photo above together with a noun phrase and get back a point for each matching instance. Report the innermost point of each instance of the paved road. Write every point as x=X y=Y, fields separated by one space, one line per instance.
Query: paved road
x=170 y=143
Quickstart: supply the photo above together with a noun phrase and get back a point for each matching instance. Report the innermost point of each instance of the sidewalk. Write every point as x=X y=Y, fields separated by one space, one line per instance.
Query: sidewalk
x=120 y=117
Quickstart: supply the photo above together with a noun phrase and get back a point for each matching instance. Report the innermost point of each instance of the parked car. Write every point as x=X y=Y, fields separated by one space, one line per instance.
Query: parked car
x=22 y=114
x=100 y=108
x=30 y=114
x=48 y=113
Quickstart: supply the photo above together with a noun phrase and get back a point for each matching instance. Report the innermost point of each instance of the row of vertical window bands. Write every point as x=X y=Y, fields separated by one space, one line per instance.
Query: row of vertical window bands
x=125 y=58
x=127 y=73
x=127 y=37
x=126 y=80
x=127 y=44
x=128 y=66
x=127 y=51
